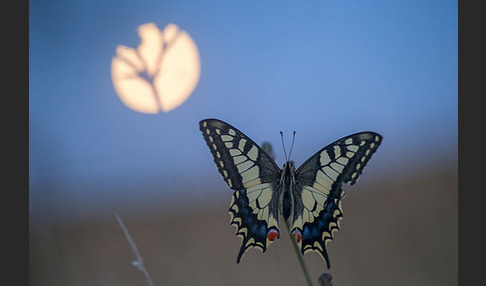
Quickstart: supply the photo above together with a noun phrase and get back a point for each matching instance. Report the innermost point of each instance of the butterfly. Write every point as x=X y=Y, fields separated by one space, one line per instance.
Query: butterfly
x=310 y=195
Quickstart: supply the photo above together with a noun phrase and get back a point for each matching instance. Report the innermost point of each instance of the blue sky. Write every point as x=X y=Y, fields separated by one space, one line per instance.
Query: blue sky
x=325 y=69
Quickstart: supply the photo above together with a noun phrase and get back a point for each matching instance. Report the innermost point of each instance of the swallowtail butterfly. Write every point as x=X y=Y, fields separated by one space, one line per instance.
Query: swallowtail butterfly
x=311 y=195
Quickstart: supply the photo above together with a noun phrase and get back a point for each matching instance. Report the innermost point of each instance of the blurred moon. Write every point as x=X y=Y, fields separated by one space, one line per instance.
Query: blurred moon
x=161 y=73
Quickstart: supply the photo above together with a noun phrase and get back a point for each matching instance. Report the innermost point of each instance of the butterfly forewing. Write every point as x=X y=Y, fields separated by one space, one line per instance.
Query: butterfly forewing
x=318 y=193
x=253 y=175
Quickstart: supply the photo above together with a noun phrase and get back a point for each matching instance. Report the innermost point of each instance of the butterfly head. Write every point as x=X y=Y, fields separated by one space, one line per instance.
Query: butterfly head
x=289 y=165
x=288 y=174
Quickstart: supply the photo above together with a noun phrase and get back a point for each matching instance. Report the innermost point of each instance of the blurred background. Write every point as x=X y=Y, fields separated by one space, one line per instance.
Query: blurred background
x=325 y=69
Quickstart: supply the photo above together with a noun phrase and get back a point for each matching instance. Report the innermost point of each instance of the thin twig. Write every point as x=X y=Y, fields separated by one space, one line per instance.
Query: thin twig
x=267 y=147
x=325 y=279
x=139 y=262
x=299 y=256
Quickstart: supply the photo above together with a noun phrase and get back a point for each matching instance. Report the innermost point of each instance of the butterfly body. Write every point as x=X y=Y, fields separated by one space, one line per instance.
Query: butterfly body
x=287 y=181
x=308 y=198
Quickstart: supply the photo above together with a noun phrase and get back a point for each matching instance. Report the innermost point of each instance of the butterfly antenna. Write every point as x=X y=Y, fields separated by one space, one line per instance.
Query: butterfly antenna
x=283 y=145
x=292 y=146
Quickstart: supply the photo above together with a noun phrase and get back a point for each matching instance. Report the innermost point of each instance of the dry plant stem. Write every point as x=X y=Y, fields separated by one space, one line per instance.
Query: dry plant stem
x=325 y=279
x=139 y=261
x=299 y=256
x=267 y=147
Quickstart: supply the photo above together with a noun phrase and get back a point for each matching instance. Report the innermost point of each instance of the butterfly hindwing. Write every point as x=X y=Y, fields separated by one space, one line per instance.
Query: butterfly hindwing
x=318 y=193
x=254 y=176
x=256 y=225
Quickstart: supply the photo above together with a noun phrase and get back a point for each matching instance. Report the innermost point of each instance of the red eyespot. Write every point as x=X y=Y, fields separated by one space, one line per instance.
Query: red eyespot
x=272 y=235
x=297 y=235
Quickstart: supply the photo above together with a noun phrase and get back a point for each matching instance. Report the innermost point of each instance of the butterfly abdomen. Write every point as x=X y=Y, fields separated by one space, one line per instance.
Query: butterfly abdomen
x=286 y=204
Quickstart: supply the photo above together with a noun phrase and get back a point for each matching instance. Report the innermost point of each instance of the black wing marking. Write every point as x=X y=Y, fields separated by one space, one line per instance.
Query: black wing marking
x=318 y=193
x=253 y=175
